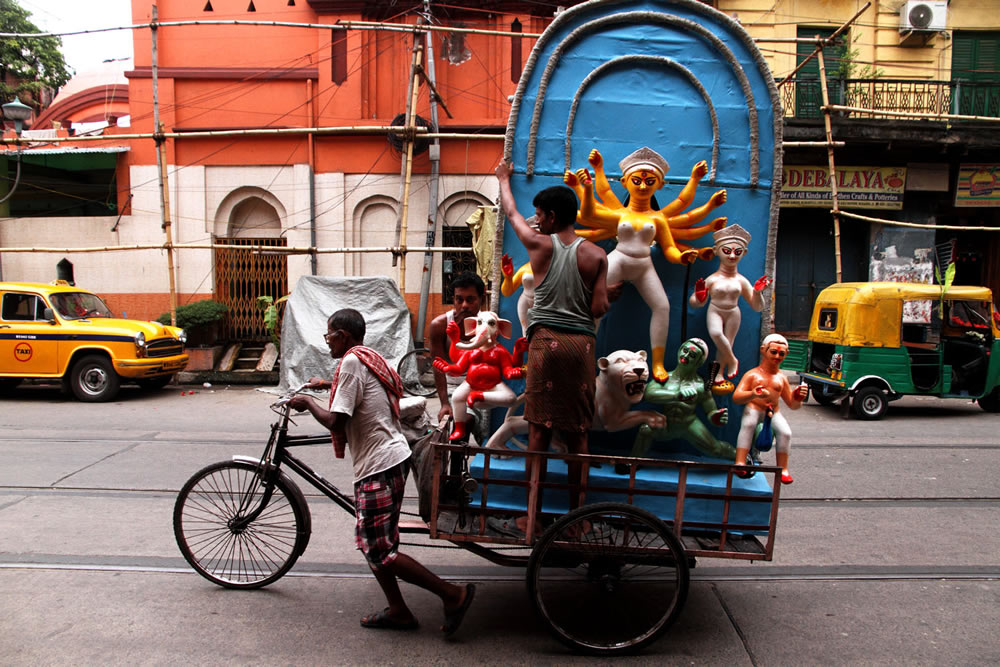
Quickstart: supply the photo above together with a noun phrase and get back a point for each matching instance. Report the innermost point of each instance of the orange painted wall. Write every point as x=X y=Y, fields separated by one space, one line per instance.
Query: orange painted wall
x=146 y=306
x=231 y=77
x=378 y=63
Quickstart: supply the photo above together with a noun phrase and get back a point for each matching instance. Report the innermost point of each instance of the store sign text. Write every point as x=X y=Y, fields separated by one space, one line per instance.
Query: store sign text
x=857 y=187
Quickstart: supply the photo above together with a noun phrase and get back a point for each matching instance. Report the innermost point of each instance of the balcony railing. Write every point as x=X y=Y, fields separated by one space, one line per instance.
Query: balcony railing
x=803 y=98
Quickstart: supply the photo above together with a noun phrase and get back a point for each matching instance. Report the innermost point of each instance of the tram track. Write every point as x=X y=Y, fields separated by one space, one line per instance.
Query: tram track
x=253 y=441
x=498 y=574
x=884 y=501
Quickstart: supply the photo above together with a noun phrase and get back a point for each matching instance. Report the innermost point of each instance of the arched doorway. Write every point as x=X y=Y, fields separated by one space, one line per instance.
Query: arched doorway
x=249 y=217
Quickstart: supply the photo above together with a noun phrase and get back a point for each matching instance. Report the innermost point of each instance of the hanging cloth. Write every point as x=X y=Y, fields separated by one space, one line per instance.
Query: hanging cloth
x=483 y=224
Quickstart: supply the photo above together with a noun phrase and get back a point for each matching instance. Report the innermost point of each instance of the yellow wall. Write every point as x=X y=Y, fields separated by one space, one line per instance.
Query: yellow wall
x=875 y=34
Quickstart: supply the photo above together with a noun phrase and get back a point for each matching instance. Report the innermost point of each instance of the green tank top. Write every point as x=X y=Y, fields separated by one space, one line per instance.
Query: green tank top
x=562 y=301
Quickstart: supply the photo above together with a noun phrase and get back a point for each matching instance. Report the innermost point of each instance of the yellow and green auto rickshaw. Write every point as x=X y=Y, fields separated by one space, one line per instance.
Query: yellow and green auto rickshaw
x=875 y=342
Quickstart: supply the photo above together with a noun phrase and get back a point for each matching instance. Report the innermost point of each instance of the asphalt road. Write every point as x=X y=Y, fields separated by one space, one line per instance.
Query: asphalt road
x=887 y=551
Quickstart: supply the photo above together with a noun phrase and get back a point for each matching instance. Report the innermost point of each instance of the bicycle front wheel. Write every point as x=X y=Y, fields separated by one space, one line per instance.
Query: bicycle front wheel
x=215 y=538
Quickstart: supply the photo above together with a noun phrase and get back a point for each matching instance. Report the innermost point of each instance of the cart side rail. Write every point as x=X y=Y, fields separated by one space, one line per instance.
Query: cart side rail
x=462 y=516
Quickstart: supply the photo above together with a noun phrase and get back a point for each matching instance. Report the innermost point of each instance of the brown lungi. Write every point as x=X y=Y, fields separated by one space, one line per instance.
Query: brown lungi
x=559 y=388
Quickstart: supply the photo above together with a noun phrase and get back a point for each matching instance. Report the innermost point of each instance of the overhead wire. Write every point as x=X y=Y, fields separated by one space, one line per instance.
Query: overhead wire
x=337 y=200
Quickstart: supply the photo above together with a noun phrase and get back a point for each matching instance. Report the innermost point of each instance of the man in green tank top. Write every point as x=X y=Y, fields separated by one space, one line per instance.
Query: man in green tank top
x=571 y=291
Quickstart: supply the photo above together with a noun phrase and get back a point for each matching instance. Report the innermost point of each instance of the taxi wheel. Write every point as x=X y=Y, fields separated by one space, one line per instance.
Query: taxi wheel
x=8 y=384
x=870 y=403
x=94 y=379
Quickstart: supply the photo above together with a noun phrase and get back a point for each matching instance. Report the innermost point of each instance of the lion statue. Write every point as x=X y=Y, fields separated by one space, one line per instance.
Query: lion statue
x=621 y=381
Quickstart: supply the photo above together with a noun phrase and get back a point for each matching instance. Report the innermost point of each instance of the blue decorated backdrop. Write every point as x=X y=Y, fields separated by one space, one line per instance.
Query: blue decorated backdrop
x=685 y=80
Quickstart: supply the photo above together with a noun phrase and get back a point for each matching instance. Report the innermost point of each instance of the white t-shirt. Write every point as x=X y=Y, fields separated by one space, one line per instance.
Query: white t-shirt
x=374 y=436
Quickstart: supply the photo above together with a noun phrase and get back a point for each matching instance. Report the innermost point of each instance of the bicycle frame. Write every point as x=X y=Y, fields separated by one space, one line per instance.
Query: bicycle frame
x=275 y=456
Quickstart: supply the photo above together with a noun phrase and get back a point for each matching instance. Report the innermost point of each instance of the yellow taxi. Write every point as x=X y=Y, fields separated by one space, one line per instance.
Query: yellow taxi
x=60 y=331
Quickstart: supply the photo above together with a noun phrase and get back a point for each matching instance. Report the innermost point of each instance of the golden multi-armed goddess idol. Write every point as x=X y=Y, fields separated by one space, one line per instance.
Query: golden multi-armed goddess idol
x=637 y=225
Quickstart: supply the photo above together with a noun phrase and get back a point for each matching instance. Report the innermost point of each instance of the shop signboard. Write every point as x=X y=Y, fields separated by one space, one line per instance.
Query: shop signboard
x=808 y=186
x=978 y=185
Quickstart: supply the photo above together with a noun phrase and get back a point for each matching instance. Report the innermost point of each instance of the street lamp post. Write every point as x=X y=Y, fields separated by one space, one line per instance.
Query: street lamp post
x=17 y=112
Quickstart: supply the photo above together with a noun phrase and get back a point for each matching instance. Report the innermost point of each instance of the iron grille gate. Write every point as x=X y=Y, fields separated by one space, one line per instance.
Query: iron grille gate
x=242 y=275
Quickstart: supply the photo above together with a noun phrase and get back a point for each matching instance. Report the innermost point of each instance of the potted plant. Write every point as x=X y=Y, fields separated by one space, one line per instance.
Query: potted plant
x=201 y=321
x=273 y=310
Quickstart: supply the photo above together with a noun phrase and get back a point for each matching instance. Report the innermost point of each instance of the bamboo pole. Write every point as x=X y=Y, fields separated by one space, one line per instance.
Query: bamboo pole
x=311 y=150
x=405 y=142
x=827 y=126
x=430 y=234
x=377 y=26
x=161 y=165
x=356 y=130
x=340 y=24
x=919 y=225
x=812 y=144
x=411 y=113
x=287 y=250
x=913 y=114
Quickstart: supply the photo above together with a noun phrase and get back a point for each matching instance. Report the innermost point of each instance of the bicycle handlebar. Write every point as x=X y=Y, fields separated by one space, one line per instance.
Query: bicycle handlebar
x=283 y=401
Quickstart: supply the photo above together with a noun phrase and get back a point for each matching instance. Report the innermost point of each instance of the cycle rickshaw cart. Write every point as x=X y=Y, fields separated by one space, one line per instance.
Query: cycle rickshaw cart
x=609 y=577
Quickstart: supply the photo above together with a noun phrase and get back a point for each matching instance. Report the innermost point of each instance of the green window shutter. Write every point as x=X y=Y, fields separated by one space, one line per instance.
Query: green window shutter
x=975 y=63
x=808 y=95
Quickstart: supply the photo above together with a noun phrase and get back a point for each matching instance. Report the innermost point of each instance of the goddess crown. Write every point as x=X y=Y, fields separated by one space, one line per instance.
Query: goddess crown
x=730 y=234
x=644 y=158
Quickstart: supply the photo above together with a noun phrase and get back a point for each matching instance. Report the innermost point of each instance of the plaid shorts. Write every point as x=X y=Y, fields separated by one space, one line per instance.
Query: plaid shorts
x=378 y=500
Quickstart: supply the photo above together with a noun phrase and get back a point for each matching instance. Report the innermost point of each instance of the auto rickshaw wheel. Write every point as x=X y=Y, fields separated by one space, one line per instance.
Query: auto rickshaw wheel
x=824 y=394
x=870 y=403
x=991 y=401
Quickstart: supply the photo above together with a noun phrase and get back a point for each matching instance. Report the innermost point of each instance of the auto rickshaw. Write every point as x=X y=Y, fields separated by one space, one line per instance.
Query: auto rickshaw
x=872 y=343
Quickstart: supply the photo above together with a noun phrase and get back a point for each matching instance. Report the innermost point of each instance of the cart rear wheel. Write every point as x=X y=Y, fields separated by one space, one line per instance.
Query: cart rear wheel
x=608 y=578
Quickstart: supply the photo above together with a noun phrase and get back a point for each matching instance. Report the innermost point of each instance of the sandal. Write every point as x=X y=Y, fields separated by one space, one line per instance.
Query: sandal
x=454 y=619
x=382 y=621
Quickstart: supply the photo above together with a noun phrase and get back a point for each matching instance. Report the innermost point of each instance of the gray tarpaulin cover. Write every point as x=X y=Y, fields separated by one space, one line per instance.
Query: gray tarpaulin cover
x=304 y=353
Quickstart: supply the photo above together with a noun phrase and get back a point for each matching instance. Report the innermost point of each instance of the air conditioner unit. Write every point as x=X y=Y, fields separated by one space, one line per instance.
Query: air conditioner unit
x=923 y=16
